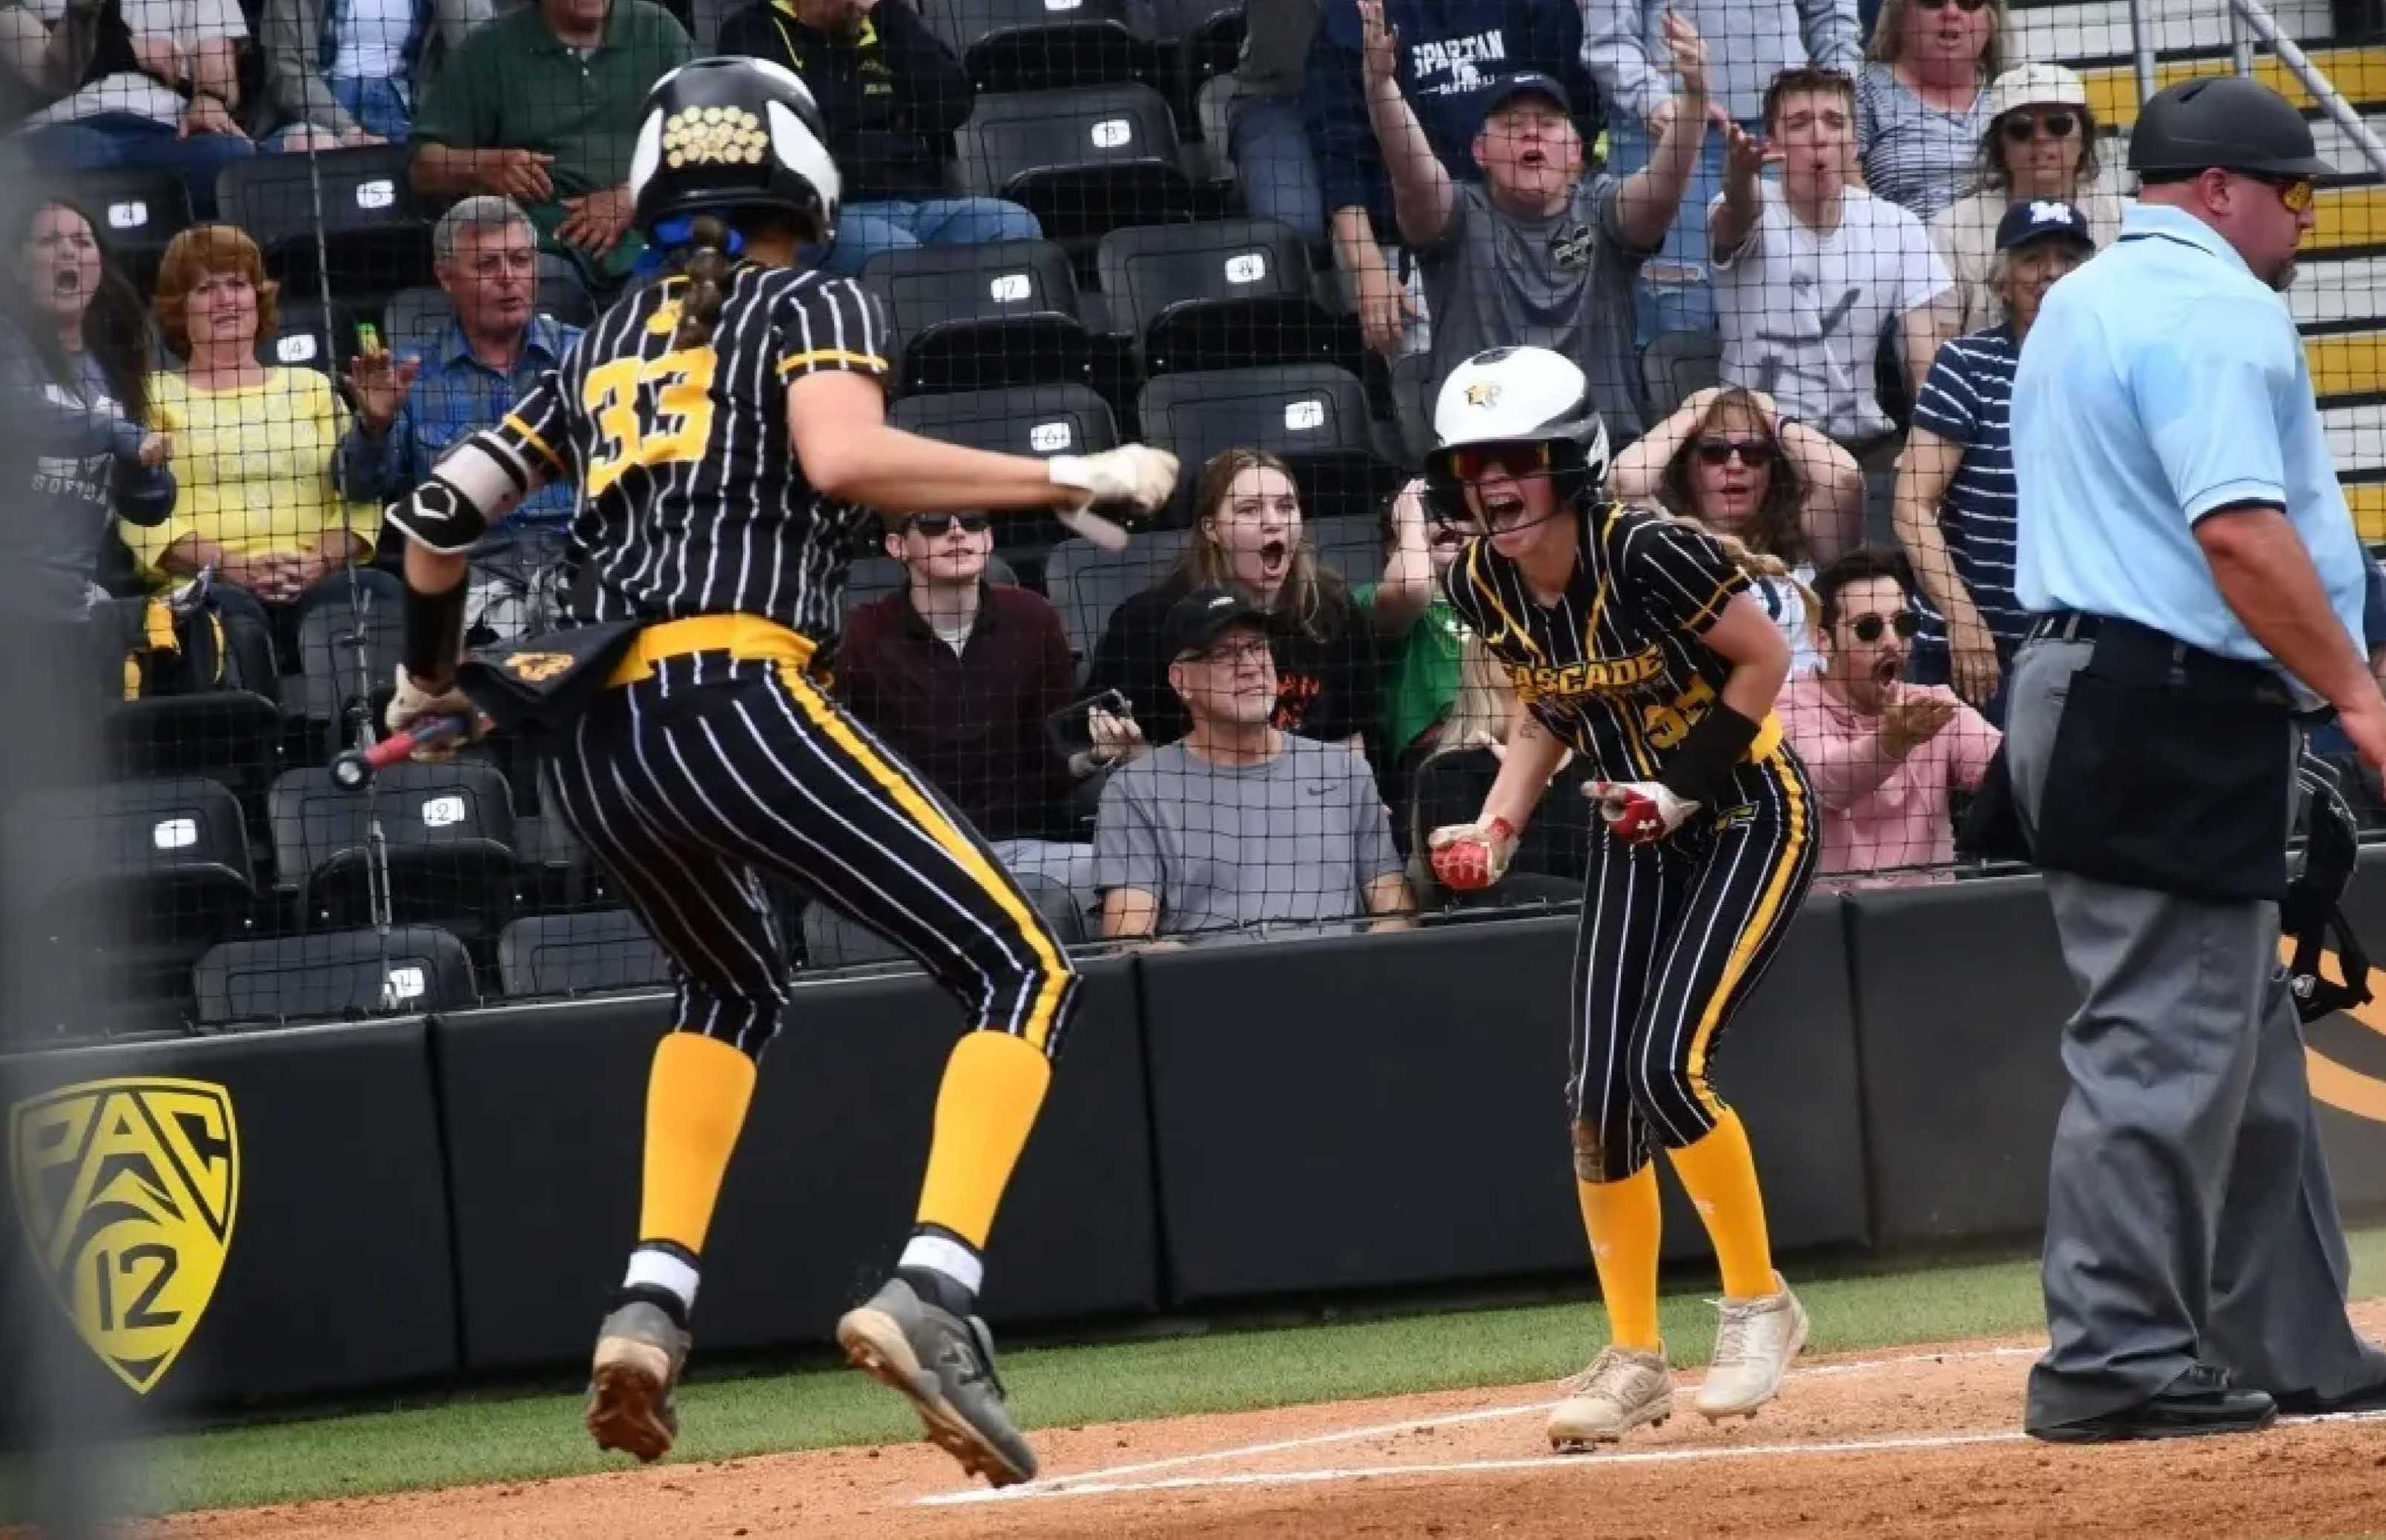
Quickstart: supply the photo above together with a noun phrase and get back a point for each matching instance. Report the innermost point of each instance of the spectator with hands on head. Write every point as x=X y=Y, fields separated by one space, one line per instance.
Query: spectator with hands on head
x=1536 y=253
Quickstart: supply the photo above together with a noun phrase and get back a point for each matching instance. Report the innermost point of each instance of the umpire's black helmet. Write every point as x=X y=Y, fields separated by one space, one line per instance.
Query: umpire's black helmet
x=2226 y=121
x=721 y=134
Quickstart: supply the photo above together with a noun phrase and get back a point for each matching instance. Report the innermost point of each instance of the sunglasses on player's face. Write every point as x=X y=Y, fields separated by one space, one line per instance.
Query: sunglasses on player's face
x=1867 y=628
x=2020 y=128
x=1514 y=460
x=1754 y=453
x=936 y=526
x=1966 y=7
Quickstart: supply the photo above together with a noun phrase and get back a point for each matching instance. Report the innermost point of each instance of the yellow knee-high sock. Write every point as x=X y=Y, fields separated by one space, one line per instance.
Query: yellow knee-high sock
x=1623 y=1221
x=994 y=1085
x=697 y=1097
x=1720 y=1174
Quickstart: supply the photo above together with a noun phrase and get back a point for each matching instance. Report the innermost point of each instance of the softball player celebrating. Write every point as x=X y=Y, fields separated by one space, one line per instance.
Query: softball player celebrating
x=726 y=429
x=1630 y=638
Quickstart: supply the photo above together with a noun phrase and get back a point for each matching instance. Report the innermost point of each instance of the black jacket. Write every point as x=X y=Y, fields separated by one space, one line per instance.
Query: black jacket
x=891 y=92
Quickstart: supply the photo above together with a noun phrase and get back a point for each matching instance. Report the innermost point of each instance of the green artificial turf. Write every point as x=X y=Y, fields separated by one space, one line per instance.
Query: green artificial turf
x=486 y=1438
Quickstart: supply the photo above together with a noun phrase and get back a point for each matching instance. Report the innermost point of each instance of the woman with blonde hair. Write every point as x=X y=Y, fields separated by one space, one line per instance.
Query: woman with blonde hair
x=264 y=454
x=1731 y=462
x=1247 y=536
x=2038 y=147
x=1922 y=99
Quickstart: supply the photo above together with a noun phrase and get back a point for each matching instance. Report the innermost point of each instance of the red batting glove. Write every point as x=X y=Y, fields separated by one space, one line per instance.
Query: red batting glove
x=1467 y=857
x=1639 y=812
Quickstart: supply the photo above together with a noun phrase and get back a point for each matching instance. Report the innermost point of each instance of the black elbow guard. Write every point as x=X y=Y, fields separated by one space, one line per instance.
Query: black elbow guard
x=1701 y=769
x=438 y=517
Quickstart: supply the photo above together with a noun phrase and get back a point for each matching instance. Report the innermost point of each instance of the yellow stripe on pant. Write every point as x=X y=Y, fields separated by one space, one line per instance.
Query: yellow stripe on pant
x=1797 y=836
x=822 y=714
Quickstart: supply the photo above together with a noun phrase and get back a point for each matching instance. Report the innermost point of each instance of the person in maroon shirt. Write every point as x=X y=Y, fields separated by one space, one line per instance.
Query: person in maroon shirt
x=958 y=676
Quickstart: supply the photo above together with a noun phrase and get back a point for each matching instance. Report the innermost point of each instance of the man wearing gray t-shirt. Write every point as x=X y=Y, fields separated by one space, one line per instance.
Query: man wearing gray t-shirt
x=1238 y=824
x=1537 y=255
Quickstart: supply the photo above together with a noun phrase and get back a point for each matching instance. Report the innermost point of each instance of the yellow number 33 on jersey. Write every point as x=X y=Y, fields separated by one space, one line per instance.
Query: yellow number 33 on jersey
x=649 y=413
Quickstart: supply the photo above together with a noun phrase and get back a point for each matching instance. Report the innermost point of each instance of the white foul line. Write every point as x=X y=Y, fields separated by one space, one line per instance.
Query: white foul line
x=1050 y=1485
x=1087 y=1486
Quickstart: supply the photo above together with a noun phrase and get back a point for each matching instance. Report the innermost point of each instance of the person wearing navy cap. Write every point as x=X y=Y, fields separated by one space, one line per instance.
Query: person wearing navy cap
x=1537 y=255
x=2196 y=585
x=1955 y=481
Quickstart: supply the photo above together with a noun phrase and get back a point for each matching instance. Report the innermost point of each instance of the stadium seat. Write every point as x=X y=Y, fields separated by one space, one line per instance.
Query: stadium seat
x=415 y=318
x=1675 y=365
x=346 y=973
x=1350 y=547
x=1313 y=415
x=1197 y=39
x=233 y=736
x=1225 y=294
x=575 y=954
x=138 y=211
x=354 y=207
x=1412 y=379
x=347 y=656
x=979 y=318
x=562 y=292
x=564 y=873
x=1085 y=162
x=307 y=334
x=447 y=832
x=140 y=877
x=1085 y=583
x=1037 y=44
x=1042 y=421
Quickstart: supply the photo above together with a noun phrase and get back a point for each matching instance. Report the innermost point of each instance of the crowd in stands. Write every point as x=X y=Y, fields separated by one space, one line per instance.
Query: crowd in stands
x=1858 y=214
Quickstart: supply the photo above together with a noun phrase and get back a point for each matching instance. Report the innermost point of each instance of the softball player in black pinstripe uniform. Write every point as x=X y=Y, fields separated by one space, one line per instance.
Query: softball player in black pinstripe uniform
x=1631 y=639
x=726 y=429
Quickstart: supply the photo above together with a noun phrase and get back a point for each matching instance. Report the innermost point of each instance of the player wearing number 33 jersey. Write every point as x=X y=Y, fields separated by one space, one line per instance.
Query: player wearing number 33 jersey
x=726 y=429
x=1632 y=639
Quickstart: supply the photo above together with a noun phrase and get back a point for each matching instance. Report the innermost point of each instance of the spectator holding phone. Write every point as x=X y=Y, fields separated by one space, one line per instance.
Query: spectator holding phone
x=958 y=676
x=1247 y=536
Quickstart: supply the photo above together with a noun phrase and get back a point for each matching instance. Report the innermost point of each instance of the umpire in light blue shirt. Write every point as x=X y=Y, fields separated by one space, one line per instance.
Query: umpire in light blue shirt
x=2196 y=585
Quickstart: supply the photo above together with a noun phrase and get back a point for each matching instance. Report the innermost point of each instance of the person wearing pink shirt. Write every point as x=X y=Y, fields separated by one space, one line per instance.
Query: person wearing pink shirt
x=1885 y=756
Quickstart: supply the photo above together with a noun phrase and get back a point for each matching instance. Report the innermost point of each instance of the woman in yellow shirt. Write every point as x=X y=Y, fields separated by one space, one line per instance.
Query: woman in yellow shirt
x=264 y=454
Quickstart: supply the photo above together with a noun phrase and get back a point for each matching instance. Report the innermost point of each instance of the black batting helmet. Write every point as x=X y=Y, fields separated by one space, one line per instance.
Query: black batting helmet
x=722 y=134
x=2227 y=121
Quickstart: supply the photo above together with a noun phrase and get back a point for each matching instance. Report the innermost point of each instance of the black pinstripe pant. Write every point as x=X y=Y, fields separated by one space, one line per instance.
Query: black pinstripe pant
x=691 y=784
x=1674 y=937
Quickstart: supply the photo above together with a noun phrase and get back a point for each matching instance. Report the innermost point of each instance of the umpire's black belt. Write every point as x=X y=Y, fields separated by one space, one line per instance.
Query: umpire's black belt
x=2131 y=654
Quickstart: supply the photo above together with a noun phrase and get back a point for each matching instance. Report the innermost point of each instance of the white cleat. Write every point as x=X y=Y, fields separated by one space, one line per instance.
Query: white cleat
x=1754 y=1346
x=1622 y=1390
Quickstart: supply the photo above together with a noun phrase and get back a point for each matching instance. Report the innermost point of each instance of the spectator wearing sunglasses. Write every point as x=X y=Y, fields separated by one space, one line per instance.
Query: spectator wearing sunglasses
x=1886 y=756
x=1955 y=494
x=1730 y=460
x=2040 y=145
x=1923 y=98
x=958 y=676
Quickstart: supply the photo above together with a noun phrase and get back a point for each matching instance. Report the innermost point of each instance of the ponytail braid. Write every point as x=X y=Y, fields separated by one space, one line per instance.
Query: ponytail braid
x=1756 y=563
x=706 y=268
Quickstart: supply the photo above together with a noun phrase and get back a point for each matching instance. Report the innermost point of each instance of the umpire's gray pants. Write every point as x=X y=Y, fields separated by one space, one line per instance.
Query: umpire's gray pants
x=2188 y=1211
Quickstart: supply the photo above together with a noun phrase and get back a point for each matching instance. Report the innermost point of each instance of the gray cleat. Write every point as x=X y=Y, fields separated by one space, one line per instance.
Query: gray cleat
x=944 y=1365
x=639 y=1353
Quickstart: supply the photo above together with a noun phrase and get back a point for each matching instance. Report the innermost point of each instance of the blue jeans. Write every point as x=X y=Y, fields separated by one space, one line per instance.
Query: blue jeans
x=111 y=141
x=1674 y=290
x=380 y=104
x=864 y=229
x=1273 y=161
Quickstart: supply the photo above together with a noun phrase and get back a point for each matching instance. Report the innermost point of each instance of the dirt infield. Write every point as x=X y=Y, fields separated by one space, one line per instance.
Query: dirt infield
x=1892 y=1443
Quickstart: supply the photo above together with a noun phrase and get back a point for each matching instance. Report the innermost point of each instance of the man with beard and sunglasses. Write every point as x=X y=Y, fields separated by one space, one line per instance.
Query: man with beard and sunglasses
x=1886 y=756
x=2197 y=583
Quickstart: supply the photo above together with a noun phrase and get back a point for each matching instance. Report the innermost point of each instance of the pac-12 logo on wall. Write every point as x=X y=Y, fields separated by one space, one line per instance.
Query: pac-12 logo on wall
x=128 y=1189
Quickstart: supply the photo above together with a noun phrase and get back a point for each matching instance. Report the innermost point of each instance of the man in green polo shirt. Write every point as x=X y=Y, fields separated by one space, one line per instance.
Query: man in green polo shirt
x=541 y=106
